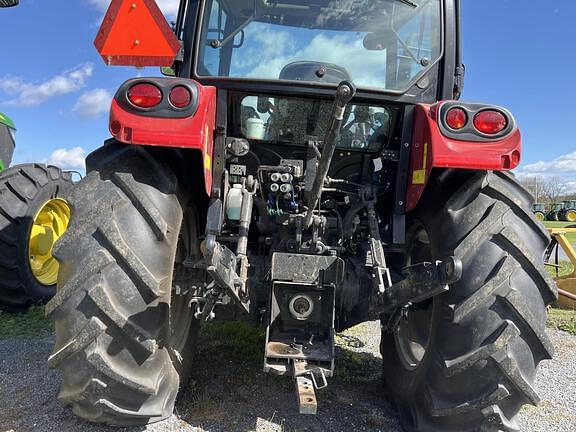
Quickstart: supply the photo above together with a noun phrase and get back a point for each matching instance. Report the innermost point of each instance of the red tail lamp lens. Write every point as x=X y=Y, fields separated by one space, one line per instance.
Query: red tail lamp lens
x=456 y=118
x=490 y=122
x=180 y=97
x=145 y=95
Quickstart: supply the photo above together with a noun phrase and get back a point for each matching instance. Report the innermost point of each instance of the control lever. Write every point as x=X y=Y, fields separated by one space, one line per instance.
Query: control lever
x=344 y=93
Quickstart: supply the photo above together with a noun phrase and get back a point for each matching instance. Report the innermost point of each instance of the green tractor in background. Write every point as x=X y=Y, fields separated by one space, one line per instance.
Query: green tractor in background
x=539 y=211
x=554 y=213
x=568 y=212
x=33 y=215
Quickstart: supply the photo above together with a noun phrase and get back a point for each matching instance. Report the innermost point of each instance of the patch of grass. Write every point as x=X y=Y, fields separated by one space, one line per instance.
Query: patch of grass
x=238 y=340
x=231 y=353
x=562 y=319
x=571 y=237
x=29 y=324
x=566 y=268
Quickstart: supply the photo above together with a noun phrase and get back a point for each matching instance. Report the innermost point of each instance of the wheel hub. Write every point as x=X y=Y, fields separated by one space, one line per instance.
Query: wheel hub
x=49 y=225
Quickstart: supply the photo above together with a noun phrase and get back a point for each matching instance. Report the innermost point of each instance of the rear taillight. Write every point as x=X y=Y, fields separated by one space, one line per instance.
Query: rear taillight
x=490 y=122
x=456 y=118
x=145 y=95
x=180 y=97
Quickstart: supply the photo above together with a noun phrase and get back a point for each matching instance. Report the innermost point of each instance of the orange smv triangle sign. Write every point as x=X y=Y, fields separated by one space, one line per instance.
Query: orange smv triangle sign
x=135 y=33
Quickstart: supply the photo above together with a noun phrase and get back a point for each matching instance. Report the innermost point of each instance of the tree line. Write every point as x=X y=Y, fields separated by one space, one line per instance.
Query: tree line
x=548 y=190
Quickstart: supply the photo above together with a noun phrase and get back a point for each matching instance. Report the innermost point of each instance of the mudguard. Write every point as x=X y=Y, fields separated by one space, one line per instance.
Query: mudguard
x=433 y=148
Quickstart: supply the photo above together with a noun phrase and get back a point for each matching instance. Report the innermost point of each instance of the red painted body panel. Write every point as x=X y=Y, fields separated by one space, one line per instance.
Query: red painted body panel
x=431 y=149
x=194 y=132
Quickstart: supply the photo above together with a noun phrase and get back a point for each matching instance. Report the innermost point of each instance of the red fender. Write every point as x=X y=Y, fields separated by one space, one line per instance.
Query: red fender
x=431 y=149
x=132 y=126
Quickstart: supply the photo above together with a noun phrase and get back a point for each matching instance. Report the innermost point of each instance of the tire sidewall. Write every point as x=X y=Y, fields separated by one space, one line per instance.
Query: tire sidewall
x=49 y=183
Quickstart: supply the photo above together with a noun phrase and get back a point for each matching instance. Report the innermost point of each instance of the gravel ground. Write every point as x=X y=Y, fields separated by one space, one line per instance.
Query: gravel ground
x=228 y=395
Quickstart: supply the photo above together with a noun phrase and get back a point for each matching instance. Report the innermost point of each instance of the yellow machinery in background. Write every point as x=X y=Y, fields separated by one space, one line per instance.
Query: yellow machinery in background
x=566 y=283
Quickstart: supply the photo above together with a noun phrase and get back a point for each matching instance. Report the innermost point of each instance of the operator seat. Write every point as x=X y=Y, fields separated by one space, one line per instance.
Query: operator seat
x=295 y=119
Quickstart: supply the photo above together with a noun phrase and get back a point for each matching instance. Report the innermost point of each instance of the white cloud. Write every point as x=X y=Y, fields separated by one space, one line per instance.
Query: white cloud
x=93 y=103
x=562 y=167
x=28 y=94
x=169 y=7
x=73 y=159
x=565 y=164
x=268 y=51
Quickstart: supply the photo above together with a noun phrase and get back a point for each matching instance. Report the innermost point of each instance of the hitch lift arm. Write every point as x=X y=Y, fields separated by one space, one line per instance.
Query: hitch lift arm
x=422 y=281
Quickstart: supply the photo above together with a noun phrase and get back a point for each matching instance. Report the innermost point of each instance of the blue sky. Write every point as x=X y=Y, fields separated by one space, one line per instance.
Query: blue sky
x=519 y=54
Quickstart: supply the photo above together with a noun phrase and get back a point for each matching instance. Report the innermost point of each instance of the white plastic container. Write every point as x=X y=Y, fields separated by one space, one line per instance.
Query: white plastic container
x=234 y=203
x=255 y=129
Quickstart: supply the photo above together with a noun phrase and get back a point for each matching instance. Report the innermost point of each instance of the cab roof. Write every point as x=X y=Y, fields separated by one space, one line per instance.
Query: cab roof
x=5 y=120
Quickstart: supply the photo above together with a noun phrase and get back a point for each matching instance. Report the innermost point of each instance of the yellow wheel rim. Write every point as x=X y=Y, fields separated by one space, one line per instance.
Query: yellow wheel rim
x=50 y=224
x=571 y=216
x=539 y=217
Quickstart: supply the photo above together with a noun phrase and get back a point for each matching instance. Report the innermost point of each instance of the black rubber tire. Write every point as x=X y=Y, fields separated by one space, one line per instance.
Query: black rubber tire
x=487 y=334
x=112 y=310
x=24 y=189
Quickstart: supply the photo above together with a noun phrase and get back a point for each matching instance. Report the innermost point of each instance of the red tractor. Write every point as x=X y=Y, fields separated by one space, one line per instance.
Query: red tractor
x=308 y=167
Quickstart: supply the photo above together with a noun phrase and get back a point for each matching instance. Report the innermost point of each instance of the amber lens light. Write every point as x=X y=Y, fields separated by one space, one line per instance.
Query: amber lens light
x=490 y=122
x=456 y=118
x=180 y=97
x=145 y=95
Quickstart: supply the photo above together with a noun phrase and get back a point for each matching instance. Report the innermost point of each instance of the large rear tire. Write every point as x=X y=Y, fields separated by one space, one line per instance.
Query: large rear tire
x=466 y=361
x=25 y=191
x=123 y=340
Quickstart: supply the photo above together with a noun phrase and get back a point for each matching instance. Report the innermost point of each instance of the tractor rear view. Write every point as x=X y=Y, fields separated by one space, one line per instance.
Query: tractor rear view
x=303 y=170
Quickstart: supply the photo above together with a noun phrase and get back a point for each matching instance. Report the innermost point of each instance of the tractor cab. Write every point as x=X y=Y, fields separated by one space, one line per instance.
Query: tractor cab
x=382 y=45
x=386 y=47
x=7 y=141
